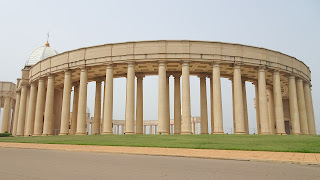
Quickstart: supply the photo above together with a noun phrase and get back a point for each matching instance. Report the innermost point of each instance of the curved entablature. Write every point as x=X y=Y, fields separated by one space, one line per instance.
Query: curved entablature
x=146 y=54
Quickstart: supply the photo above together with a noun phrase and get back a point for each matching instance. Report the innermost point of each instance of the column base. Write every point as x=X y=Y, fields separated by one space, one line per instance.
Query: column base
x=281 y=133
x=265 y=133
x=130 y=133
x=218 y=133
x=240 y=133
x=188 y=132
x=104 y=133
x=162 y=133
x=63 y=134
x=46 y=135
x=80 y=133
x=27 y=135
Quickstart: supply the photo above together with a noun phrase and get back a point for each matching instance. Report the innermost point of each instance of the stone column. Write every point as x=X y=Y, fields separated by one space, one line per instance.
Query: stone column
x=130 y=99
x=203 y=104
x=162 y=99
x=27 y=107
x=139 y=108
x=177 y=104
x=245 y=106
x=66 y=101
x=196 y=127
x=233 y=113
x=217 y=101
x=309 y=109
x=293 y=103
x=6 y=115
x=302 y=107
x=278 y=106
x=186 y=106
x=38 y=123
x=238 y=101
x=257 y=108
x=150 y=129
x=192 y=127
x=22 y=110
x=82 y=107
x=263 y=102
x=103 y=105
x=144 y=129
x=16 y=113
x=211 y=105
x=118 y=132
x=48 y=113
x=0 y=104
x=167 y=126
x=271 y=111
x=153 y=129
x=31 y=109
x=97 y=109
x=75 y=104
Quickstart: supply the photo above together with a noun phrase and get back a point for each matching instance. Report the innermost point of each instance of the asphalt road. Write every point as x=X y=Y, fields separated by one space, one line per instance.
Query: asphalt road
x=49 y=164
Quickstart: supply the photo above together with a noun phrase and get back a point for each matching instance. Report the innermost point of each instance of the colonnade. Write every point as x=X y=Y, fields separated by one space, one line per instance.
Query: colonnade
x=6 y=114
x=35 y=103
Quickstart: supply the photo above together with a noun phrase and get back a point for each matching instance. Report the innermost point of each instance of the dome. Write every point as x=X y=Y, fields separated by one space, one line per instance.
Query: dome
x=41 y=53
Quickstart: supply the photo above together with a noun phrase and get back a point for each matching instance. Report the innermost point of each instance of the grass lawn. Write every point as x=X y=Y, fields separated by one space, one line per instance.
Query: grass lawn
x=290 y=143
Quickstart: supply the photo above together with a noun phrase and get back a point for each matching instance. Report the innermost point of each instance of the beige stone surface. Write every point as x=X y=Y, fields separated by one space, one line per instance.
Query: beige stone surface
x=108 y=101
x=82 y=107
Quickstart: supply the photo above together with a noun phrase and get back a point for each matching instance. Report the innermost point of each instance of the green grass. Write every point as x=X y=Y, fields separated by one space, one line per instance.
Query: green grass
x=306 y=144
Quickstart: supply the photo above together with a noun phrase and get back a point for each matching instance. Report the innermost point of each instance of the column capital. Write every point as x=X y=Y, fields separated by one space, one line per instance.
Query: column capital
x=307 y=83
x=130 y=63
x=140 y=76
x=84 y=68
x=108 y=64
x=24 y=83
x=51 y=76
x=299 y=79
x=65 y=70
x=99 y=79
x=216 y=63
x=41 y=79
x=162 y=62
x=236 y=66
x=262 y=68
x=291 y=76
x=185 y=62
x=202 y=76
x=276 y=72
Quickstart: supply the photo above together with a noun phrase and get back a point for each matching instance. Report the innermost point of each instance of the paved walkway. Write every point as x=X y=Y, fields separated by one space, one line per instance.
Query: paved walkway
x=32 y=164
x=287 y=157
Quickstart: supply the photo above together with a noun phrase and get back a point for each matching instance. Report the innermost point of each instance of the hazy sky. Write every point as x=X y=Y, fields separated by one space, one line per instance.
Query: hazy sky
x=291 y=27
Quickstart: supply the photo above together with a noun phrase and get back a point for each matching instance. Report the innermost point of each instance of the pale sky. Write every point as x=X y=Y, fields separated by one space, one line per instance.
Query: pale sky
x=291 y=27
